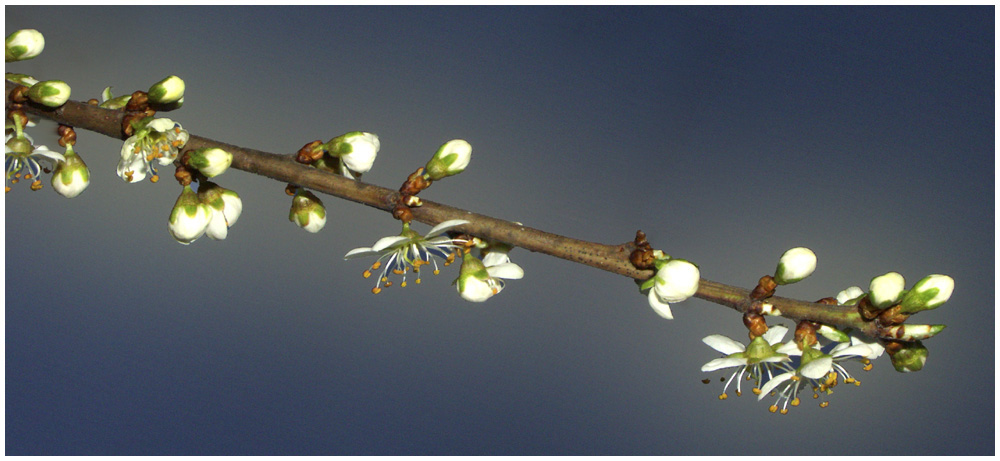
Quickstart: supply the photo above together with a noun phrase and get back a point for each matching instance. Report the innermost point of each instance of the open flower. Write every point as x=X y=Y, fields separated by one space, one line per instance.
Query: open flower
x=478 y=281
x=154 y=139
x=23 y=160
x=675 y=281
x=408 y=251
x=817 y=369
x=755 y=360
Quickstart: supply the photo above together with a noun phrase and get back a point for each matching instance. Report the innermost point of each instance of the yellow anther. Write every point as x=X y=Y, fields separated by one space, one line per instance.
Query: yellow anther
x=128 y=175
x=403 y=285
x=376 y=265
x=176 y=143
x=376 y=290
x=868 y=367
x=398 y=271
x=824 y=404
x=418 y=281
x=857 y=383
x=7 y=188
x=739 y=394
x=13 y=181
x=784 y=411
x=150 y=157
x=437 y=271
x=27 y=176
x=387 y=283
x=848 y=380
x=385 y=279
x=367 y=273
x=17 y=175
x=495 y=291
x=815 y=396
x=773 y=408
x=756 y=391
x=796 y=378
x=36 y=185
x=795 y=402
x=154 y=178
x=723 y=397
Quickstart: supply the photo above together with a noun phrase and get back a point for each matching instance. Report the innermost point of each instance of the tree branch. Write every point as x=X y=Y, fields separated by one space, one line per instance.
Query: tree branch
x=610 y=258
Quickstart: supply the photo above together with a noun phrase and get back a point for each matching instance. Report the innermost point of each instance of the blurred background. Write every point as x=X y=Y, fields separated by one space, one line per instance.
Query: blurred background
x=727 y=134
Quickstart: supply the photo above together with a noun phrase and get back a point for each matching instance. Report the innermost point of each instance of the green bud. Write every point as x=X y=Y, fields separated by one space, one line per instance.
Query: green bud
x=167 y=91
x=210 y=161
x=833 y=334
x=22 y=79
x=70 y=176
x=929 y=293
x=111 y=102
x=307 y=211
x=913 y=332
x=911 y=358
x=51 y=93
x=23 y=44
x=450 y=159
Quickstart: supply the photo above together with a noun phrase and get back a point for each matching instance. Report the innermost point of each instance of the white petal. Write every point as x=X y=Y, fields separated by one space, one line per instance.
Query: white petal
x=723 y=344
x=509 y=271
x=789 y=348
x=774 y=334
x=359 y=252
x=817 y=368
x=495 y=258
x=773 y=383
x=725 y=362
x=660 y=307
x=775 y=358
x=386 y=242
x=444 y=226
x=858 y=350
x=475 y=290
x=160 y=124
x=217 y=228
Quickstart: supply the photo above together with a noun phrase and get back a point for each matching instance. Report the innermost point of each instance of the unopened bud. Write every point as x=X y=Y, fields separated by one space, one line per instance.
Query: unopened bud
x=23 y=44
x=450 y=159
x=794 y=265
x=886 y=290
x=907 y=357
x=167 y=91
x=929 y=293
x=50 y=93
x=210 y=161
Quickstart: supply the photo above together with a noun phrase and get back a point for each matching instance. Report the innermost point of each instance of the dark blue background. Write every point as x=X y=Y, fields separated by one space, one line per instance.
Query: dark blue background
x=727 y=134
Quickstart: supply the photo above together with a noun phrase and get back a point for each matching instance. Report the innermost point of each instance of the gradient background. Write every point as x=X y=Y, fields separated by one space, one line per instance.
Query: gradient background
x=727 y=134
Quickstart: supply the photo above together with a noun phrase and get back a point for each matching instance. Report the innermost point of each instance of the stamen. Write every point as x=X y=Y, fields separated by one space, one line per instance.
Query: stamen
x=367 y=273
x=773 y=408
x=723 y=396
x=824 y=404
x=376 y=290
x=155 y=178
x=795 y=402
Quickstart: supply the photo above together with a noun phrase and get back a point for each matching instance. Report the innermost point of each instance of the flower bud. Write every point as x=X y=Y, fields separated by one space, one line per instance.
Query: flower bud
x=833 y=334
x=111 y=102
x=450 y=159
x=357 y=150
x=71 y=176
x=473 y=281
x=167 y=91
x=675 y=281
x=226 y=209
x=912 y=332
x=849 y=295
x=51 y=93
x=23 y=44
x=307 y=211
x=885 y=290
x=929 y=293
x=794 y=265
x=910 y=357
x=210 y=161
x=190 y=217
x=21 y=79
